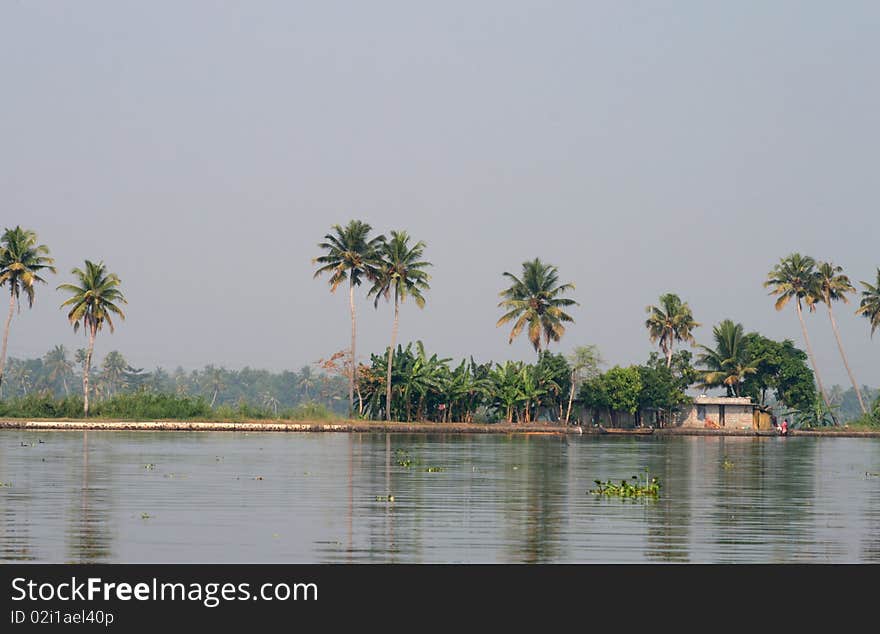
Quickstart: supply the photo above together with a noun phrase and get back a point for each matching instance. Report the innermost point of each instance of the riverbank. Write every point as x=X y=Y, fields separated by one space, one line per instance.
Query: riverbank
x=392 y=427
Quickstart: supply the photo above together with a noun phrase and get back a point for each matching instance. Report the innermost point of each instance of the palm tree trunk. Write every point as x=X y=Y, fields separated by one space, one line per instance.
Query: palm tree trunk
x=570 y=398
x=88 y=365
x=360 y=401
x=843 y=356
x=353 y=367
x=214 y=397
x=6 y=334
x=391 y=360
x=669 y=353
x=64 y=383
x=800 y=315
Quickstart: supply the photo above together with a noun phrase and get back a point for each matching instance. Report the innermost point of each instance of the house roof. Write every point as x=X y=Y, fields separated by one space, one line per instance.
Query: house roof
x=723 y=400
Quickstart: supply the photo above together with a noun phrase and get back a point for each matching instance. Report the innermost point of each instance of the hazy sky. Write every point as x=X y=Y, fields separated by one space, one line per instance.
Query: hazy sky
x=202 y=150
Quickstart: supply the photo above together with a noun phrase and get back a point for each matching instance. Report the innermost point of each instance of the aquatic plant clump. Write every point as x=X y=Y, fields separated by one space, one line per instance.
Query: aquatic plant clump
x=403 y=459
x=650 y=489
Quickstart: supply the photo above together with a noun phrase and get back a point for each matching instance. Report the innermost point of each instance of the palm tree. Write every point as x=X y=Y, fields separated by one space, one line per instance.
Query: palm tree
x=94 y=300
x=535 y=300
x=729 y=363
x=114 y=368
x=350 y=254
x=58 y=366
x=670 y=322
x=795 y=278
x=270 y=402
x=870 y=305
x=401 y=273
x=21 y=262
x=20 y=374
x=832 y=285
x=306 y=380
x=214 y=382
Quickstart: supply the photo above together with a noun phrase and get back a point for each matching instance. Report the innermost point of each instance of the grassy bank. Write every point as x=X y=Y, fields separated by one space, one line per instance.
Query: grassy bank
x=153 y=406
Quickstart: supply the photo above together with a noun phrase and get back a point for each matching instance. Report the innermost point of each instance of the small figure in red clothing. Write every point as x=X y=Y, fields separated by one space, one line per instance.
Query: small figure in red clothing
x=783 y=429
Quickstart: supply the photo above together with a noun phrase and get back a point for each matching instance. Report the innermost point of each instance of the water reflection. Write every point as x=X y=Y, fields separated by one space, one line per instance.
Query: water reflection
x=89 y=533
x=87 y=497
x=668 y=528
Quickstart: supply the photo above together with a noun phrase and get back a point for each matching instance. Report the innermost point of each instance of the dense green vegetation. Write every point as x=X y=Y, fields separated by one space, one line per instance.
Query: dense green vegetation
x=153 y=406
x=228 y=393
x=407 y=383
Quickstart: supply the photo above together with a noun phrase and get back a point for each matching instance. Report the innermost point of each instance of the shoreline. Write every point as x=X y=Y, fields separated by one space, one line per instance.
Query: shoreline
x=349 y=426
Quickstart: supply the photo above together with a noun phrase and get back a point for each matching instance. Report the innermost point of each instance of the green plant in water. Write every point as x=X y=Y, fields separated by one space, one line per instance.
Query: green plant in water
x=149 y=466
x=384 y=498
x=434 y=469
x=403 y=459
x=727 y=464
x=627 y=489
x=5 y=484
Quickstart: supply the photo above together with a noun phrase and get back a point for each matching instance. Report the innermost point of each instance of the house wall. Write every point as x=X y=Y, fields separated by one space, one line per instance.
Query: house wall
x=735 y=416
x=739 y=416
x=606 y=419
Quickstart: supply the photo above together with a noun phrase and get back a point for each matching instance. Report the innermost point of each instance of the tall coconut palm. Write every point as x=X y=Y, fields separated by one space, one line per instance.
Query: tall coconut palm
x=536 y=300
x=670 y=322
x=729 y=363
x=350 y=254
x=832 y=285
x=22 y=261
x=794 y=277
x=870 y=305
x=95 y=298
x=401 y=274
x=58 y=366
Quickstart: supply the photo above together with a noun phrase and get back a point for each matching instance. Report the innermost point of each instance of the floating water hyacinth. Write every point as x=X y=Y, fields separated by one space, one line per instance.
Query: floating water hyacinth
x=650 y=489
x=403 y=458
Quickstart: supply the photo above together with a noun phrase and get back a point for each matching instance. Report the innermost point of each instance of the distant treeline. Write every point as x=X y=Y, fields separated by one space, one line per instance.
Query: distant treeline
x=425 y=387
x=57 y=376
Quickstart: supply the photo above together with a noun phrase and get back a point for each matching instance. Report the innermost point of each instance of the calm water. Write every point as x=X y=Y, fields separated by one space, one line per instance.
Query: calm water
x=298 y=498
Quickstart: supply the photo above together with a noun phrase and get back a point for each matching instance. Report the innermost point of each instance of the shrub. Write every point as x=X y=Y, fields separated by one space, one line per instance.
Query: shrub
x=147 y=405
x=42 y=406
